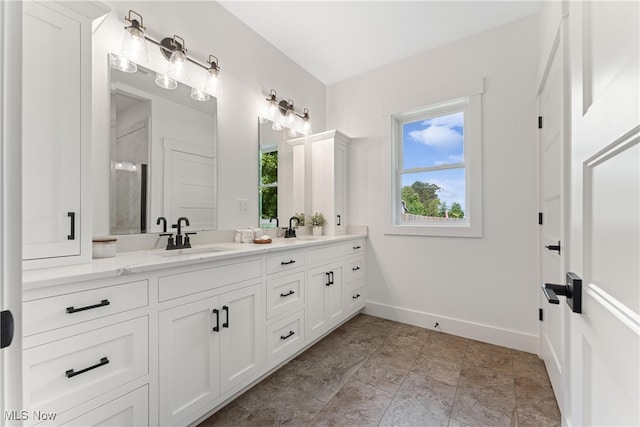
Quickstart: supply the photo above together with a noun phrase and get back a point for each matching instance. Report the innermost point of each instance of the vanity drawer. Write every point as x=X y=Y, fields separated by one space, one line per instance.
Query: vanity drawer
x=285 y=337
x=129 y=410
x=191 y=282
x=285 y=261
x=354 y=298
x=64 y=310
x=65 y=373
x=325 y=254
x=354 y=247
x=285 y=293
x=355 y=269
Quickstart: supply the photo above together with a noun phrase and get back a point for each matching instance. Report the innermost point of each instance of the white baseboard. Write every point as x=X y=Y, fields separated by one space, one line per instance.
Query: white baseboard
x=489 y=334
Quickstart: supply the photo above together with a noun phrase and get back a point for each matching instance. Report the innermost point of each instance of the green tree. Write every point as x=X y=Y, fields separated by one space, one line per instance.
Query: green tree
x=456 y=211
x=421 y=198
x=269 y=185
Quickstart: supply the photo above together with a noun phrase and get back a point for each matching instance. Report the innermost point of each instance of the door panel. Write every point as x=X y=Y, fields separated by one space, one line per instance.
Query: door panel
x=551 y=142
x=605 y=203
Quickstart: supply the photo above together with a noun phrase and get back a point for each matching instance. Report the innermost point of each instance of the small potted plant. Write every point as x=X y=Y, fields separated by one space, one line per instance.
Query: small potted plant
x=317 y=221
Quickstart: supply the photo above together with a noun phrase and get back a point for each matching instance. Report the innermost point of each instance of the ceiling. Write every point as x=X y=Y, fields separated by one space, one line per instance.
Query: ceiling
x=335 y=40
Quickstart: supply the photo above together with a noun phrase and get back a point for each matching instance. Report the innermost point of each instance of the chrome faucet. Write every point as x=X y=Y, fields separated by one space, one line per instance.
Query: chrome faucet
x=291 y=232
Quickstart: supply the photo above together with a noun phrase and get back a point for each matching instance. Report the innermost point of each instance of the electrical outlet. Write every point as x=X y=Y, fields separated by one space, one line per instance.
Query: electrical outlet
x=243 y=206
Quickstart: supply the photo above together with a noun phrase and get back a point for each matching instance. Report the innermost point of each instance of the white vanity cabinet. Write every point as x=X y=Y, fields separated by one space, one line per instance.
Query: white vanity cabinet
x=286 y=297
x=209 y=346
x=354 y=276
x=325 y=306
x=56 y=132
x=329 y=179
x=86 y=344
x=167 y=345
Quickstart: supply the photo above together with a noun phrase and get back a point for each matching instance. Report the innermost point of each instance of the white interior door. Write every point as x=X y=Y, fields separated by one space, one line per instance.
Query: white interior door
x=10 y=207
x=604 y=344
x=551 y=143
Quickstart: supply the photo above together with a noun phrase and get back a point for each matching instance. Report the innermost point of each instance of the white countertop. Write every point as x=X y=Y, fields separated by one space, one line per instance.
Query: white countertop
x=143 y=261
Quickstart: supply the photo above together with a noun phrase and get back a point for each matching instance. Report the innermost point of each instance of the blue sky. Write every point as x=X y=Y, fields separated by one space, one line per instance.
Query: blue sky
x=435 y=142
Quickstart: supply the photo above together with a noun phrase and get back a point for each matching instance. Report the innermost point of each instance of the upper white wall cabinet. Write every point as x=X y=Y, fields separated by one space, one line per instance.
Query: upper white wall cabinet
x=329 y=179
x=56 y=111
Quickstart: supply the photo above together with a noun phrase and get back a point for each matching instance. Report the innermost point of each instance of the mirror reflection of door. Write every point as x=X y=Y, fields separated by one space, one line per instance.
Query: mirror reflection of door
x=129 y=154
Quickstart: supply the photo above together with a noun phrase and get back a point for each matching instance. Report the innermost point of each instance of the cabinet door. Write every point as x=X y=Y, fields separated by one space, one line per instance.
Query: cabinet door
x=51 y=133
x=242 y=335
x=188 y=359
x=340 y=186
x=334 y=296
x=317 y=309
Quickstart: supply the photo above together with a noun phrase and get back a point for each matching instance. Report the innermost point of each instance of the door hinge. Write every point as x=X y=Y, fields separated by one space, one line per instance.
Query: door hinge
x=539 y=122
x=539 y=218
x=540 y=314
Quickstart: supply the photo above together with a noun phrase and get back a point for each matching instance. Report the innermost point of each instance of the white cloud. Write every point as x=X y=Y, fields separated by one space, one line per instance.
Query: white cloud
x=450 y=160
x=437 y=136
x=451 y=190
x=452 y=120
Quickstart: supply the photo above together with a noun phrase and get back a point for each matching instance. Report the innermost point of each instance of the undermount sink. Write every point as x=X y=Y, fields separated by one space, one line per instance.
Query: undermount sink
x=191 y=251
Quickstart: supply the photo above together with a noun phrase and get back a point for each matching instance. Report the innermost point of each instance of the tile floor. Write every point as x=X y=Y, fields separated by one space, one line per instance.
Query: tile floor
x=373 y=371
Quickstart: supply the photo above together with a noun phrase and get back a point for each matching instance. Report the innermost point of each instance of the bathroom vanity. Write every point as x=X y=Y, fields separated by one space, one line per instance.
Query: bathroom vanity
x=166 y=337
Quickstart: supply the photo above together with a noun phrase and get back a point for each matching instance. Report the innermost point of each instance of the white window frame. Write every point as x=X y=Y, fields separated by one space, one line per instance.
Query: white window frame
x=471 y=106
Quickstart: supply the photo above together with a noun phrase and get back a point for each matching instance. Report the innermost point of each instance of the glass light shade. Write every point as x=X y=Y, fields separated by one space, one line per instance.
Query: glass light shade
x=199 y=95
x=165 y=81
x=134 y=46
x=290 y=119
x=178 y=66
x=306 y=127
x=212 y=86
x=123 y=64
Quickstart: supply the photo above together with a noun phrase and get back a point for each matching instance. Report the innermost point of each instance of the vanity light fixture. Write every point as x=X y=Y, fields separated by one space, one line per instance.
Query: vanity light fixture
x=283 y=115
x=134 y=51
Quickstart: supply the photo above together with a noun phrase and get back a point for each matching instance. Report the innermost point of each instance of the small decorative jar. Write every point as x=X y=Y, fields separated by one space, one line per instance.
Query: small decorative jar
x=104 y=247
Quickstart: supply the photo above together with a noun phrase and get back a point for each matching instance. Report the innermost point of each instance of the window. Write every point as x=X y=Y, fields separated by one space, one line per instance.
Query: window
x=268 y=185
x=436 y=156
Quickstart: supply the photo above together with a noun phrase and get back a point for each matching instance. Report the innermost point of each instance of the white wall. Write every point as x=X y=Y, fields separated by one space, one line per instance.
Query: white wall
x=484 y=288
x=249 y=68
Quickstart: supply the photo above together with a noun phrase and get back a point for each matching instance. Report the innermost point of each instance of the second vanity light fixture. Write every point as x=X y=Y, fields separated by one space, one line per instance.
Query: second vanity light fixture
x=134 y=51
x=283 y=115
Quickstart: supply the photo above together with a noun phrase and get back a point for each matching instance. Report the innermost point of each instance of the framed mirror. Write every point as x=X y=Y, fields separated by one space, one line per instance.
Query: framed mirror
x=282 y=175
x=163 y=155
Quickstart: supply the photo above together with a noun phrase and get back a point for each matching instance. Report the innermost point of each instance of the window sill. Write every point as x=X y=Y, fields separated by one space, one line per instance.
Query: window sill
x=453 y=230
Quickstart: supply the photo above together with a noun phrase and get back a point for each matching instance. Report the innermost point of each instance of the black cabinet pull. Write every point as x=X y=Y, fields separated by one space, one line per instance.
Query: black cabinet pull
x=328 y=279
x=287 y=294
x=291 y=261
x=355 y=268
x=339 y=220
x=331 y=280
x=103 y=303
x=284 y=337
x=72 y=217
x=356 y=296
x=554 y=247
x=71 y=373
x=217 y=313
x=355 y=248
x=226 y=309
